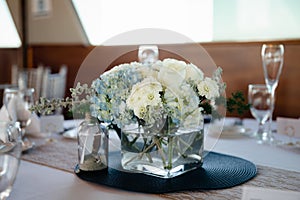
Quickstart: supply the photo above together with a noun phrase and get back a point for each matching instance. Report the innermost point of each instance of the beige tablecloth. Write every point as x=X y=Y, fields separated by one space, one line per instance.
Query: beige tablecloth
x=61 y=153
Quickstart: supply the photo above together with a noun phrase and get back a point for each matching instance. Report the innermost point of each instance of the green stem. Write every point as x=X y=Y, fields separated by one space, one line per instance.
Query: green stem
x=141 y=154
x=163 y=157
x=184 y=142
x=147 y=149
x=170 y=152
x=130 y=143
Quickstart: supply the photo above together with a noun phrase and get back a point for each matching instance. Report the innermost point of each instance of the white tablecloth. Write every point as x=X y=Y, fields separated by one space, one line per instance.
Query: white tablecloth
x=36 y=182
x=277 y=156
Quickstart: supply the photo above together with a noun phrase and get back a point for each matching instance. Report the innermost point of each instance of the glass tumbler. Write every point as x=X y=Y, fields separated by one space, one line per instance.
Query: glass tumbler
x=148 y=54
x=260 y=100
x=10 y=152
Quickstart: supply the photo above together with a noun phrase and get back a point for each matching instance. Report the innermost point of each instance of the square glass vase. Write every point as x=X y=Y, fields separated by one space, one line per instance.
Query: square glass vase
x=163 y=154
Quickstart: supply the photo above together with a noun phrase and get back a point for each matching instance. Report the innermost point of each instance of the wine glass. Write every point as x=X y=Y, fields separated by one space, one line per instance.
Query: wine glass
x=272 y=59
x=17 y=103
x=260 y=100
x=148 y=54
x=10 y=152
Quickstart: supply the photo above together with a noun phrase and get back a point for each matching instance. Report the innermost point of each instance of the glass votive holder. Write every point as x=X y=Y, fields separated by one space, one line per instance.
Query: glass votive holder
x=92 y=145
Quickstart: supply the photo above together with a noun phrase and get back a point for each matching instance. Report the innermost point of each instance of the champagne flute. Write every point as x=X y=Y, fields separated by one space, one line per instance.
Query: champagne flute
x=260 y=99
x=272 y=59
x=17 y=103
x=10 y=152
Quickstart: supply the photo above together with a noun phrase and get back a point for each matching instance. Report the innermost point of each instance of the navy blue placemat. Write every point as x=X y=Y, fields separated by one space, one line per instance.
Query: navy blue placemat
x=219 y=171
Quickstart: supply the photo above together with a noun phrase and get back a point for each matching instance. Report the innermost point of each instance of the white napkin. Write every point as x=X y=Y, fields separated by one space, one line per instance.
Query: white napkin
x=52 y=123
x=288 y=126
x=250 y=193
x=34 y=127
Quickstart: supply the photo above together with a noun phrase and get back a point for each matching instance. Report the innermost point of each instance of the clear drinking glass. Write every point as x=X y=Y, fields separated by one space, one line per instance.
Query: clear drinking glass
x=10 y=152
x=148 y=54
x=17 y=103
x=272 y=59
x=260 y=100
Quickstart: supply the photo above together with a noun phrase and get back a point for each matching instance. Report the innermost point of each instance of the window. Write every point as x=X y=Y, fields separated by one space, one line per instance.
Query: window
x=8 y=38
x=103 y=19
x=248 y=20
x=198 y=20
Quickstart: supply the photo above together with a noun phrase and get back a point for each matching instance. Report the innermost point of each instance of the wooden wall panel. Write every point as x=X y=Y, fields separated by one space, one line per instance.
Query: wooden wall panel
x=8 y=57
x=241 y=63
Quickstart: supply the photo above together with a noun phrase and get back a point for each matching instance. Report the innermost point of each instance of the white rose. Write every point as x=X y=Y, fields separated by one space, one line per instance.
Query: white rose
x=194 y=73
x=172 y=73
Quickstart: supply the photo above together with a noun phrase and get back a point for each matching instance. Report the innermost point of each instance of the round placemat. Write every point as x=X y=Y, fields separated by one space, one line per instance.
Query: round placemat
x=219 y=171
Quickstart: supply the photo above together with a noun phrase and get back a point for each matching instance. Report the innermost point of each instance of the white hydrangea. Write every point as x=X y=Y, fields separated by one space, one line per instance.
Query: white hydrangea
x=194 y=119
x=132 y=92
x=208 y=88
x=143 y=94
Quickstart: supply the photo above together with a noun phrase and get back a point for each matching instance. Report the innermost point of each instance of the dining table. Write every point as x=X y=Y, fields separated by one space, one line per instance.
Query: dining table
x=47 y=170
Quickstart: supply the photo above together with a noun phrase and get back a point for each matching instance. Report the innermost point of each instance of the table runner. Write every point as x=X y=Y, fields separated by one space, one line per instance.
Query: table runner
x=61 y=153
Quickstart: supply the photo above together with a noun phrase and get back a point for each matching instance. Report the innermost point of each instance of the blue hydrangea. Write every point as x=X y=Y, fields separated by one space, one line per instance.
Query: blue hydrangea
x=112 y=90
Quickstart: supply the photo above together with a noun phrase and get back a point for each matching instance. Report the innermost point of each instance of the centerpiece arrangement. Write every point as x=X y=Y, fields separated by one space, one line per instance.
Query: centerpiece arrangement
x=158 y=111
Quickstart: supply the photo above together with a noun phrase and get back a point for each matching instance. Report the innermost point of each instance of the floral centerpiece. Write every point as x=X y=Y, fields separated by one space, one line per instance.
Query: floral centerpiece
x=136 y=93
x=158 y=108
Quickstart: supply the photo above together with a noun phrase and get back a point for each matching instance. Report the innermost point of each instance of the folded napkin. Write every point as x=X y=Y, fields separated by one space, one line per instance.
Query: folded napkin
x=39 y=126
x=34 y=126
x=288 y=126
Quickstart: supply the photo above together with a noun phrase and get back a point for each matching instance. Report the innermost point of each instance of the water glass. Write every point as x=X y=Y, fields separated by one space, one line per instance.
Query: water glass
x=261 y=103
x=17 y=103
x=148 y=54
x=10 y=152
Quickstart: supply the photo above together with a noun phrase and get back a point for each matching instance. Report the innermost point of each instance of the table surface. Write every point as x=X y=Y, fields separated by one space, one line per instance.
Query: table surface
x=37 y=181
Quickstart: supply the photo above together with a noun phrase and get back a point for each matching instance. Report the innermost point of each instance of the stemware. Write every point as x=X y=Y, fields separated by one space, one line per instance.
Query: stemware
x=148 y=54
x=260 y=100
x=10 y=152
x=272 y=59
x=17 y=103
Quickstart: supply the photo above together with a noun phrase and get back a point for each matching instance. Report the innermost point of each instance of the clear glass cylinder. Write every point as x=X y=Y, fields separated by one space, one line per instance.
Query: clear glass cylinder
x=92 y=145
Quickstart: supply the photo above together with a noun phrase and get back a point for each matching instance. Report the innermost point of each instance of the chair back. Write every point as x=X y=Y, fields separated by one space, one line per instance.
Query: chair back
x=45 y=83
x=54 y=85
x=28 y=78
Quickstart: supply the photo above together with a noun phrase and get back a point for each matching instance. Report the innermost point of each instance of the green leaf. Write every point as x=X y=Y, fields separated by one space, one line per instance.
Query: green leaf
x=237 y=103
